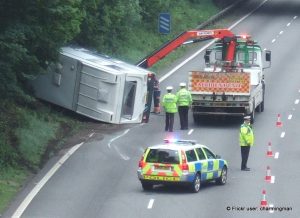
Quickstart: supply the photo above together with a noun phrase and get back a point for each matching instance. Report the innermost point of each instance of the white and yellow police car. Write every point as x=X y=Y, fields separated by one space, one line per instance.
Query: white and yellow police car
x=181 y=162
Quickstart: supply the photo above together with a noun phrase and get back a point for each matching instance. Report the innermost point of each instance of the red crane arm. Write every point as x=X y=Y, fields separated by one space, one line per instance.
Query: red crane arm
x=192 y=36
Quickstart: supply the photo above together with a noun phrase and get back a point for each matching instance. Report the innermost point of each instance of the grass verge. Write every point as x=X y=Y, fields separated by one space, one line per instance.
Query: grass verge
x=11 y=180
x=39 y=136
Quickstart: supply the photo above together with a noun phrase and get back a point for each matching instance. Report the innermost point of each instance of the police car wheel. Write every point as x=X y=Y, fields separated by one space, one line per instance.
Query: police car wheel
x=223 y=178
x=147 y=186
x=196 y=183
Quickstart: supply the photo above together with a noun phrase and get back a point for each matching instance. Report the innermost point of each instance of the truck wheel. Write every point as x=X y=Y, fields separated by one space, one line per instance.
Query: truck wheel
x=262 y=108
x=258 y=109
x=223 y=178
x=262 y=104
x=147 y=186
x=252 y=115
x=195 y=186
x=196 y=118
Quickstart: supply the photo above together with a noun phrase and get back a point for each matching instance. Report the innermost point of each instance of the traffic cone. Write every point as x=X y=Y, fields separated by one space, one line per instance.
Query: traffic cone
x=263 y=202
x=268 y=175
x=269 y=151
x=279 y=123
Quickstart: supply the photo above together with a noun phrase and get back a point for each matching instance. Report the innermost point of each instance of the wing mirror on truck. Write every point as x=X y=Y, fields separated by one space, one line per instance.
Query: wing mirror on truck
x=207 y=57
x=268 y=58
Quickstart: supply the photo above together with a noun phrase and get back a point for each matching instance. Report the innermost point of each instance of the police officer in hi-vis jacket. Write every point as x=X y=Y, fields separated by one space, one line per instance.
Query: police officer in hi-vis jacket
x=169 y=103
x=184 y=100
x=246 y=141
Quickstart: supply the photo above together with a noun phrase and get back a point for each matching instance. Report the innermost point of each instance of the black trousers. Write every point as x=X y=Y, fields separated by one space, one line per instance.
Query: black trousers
x=183 y=116
x=169 y=122
x=245 y=154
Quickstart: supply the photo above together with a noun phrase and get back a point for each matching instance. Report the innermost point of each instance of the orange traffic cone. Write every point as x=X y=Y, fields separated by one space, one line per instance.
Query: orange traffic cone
x=278 y=123
x=269 y=151
x=268 y=175
x=263 y=202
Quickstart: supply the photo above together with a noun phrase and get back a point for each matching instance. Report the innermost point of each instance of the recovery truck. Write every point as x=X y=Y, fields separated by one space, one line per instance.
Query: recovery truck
x=232 y=81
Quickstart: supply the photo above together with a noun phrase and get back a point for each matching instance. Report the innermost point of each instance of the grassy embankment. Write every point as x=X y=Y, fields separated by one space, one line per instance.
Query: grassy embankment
x=37 y=129
x=39 y=134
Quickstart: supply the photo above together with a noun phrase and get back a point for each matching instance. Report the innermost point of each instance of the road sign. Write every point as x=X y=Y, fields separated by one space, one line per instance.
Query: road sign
x=164 y=23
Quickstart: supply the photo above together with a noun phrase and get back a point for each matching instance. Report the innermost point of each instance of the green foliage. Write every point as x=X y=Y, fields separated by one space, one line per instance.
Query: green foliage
x=11 y=180
x=145 y=38
x=223 y=3
x=151 y=9
x=10 y=119
x=35 y=137
x=108 y=24
x=31 y=33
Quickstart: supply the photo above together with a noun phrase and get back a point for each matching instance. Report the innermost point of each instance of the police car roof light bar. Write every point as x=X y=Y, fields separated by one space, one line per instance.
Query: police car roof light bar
x=181 y=141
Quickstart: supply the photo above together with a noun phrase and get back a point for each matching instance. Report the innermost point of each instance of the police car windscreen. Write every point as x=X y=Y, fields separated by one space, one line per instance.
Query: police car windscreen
x=164 y=156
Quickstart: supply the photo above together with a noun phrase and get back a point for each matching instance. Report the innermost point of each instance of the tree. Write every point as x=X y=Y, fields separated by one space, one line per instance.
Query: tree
x=108 y=24
x=31 y=34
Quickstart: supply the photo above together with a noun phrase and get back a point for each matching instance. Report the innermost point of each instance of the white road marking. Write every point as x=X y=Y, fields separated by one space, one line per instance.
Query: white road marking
x=113 y=139
x=276 y=155
x=297 y=101
x=281 y=32
x=295 y=17
x=288 y=24
x=150 y=204
x=123 y=156
x=20 y=210
x=282 y=135
x=91 y=134
x=271 y=206
x=207 y=45
x=273 y=40
x=272 y=179
x=290 y=116
x=190 y=132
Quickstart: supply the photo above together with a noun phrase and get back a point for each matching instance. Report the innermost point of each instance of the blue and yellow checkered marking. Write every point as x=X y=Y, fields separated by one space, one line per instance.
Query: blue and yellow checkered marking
x=213 y=169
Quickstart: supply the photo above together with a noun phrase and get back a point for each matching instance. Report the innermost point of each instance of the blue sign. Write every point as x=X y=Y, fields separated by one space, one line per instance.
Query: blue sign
x=164 y=23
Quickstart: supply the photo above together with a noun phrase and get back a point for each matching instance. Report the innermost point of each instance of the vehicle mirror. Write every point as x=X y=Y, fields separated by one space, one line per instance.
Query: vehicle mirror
x=268 y=56
x=268 y=59
x=207 y=56
x=207 y=59
x=218 y=156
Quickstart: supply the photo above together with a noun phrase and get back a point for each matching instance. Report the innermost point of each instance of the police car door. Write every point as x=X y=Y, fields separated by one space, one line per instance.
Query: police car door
x=202 y=165
x=213 y=164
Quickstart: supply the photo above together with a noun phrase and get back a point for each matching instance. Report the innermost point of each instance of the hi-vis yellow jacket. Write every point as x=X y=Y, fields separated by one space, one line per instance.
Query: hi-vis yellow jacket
x=246 y=135
x=170 y=103
x=184 y=97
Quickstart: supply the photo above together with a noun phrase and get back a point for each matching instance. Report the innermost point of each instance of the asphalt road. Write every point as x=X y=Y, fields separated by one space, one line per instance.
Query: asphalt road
x=99 y=179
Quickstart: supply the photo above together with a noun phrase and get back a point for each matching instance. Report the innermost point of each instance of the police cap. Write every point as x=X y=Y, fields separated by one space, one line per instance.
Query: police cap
x=182 y=84
x=169 y=88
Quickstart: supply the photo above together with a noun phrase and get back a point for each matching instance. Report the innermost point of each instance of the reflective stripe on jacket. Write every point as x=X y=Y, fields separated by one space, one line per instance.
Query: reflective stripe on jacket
x=246 y=135
x=184 y=97
x=169 y=103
